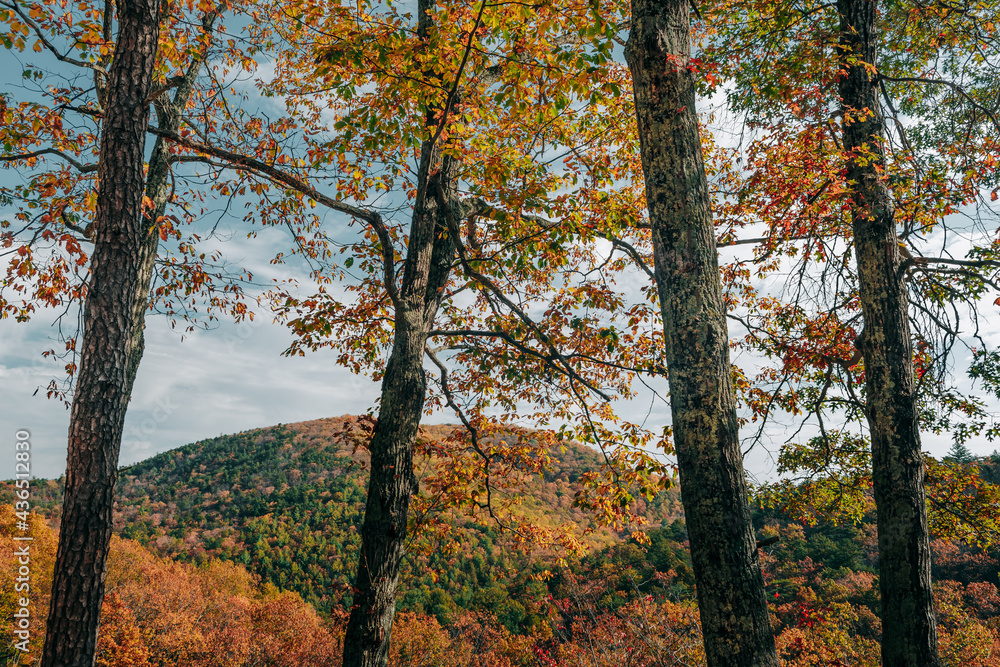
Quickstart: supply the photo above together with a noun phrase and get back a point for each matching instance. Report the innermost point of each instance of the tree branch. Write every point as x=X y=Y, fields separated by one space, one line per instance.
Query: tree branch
x=973 y=263
x=244 y=163
x=453 y=93
x=563 y=367
x=82 y=168
x=86 y=232
x=954 y=86
x=40 y=36
x=172 y=82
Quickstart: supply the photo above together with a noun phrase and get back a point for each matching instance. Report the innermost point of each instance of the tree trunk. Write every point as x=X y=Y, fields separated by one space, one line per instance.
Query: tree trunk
x=101 y=395
x=430 y=254
x=429 y=259
x=731 y=598
x=909 y=627
x=168 y=117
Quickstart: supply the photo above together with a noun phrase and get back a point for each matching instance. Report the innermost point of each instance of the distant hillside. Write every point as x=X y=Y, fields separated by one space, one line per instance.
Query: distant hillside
x=287 y=502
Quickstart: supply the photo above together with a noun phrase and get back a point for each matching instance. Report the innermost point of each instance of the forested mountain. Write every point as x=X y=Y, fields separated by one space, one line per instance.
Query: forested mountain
x=227 y=533
x=287 y=501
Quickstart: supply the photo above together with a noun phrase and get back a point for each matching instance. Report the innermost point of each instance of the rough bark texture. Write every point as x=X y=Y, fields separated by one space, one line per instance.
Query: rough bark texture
x=909 y=627
x=731 y=597
x=430 y=255
x=168 y=117
x=101 y=396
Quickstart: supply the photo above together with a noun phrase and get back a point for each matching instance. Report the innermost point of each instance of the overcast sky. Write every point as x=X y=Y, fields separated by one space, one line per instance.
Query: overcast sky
x=233 y=378
x=213 y=382
x=230 y=379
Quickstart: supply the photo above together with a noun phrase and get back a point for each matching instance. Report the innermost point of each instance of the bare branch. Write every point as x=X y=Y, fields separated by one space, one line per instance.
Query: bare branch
x=760 y=239
x=959 y=272
x=973 y=263
x=82 y=168
x=954 y=86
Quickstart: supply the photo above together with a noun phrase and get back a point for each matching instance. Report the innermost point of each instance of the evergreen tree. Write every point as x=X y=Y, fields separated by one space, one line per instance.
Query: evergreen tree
x=959 y=453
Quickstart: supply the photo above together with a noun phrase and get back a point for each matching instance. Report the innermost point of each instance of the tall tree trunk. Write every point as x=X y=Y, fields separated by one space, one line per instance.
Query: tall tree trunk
x=101 y=395
x=909 y=627
x=731 y=598
x=169 y=112
x=430 y=255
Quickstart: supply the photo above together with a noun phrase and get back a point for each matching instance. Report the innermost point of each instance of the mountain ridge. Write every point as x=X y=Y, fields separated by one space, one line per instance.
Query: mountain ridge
x=286 y=502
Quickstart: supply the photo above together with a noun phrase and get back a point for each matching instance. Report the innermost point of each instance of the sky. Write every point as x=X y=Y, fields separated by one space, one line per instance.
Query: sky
x=233 y=377
x=226 y=380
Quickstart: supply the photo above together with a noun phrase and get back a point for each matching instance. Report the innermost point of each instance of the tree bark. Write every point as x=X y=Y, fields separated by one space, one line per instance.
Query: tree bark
x=429 y=260
x=731 y=598
x=430 y=255
x=102 y=389
x=168 y=118
x=909 y=626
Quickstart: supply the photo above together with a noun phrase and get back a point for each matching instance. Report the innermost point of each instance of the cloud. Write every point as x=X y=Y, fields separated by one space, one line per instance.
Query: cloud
x=227 y=380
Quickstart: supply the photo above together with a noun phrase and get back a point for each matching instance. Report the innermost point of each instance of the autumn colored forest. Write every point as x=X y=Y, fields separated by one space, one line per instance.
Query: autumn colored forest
x=555 y=222
x=237 y=551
